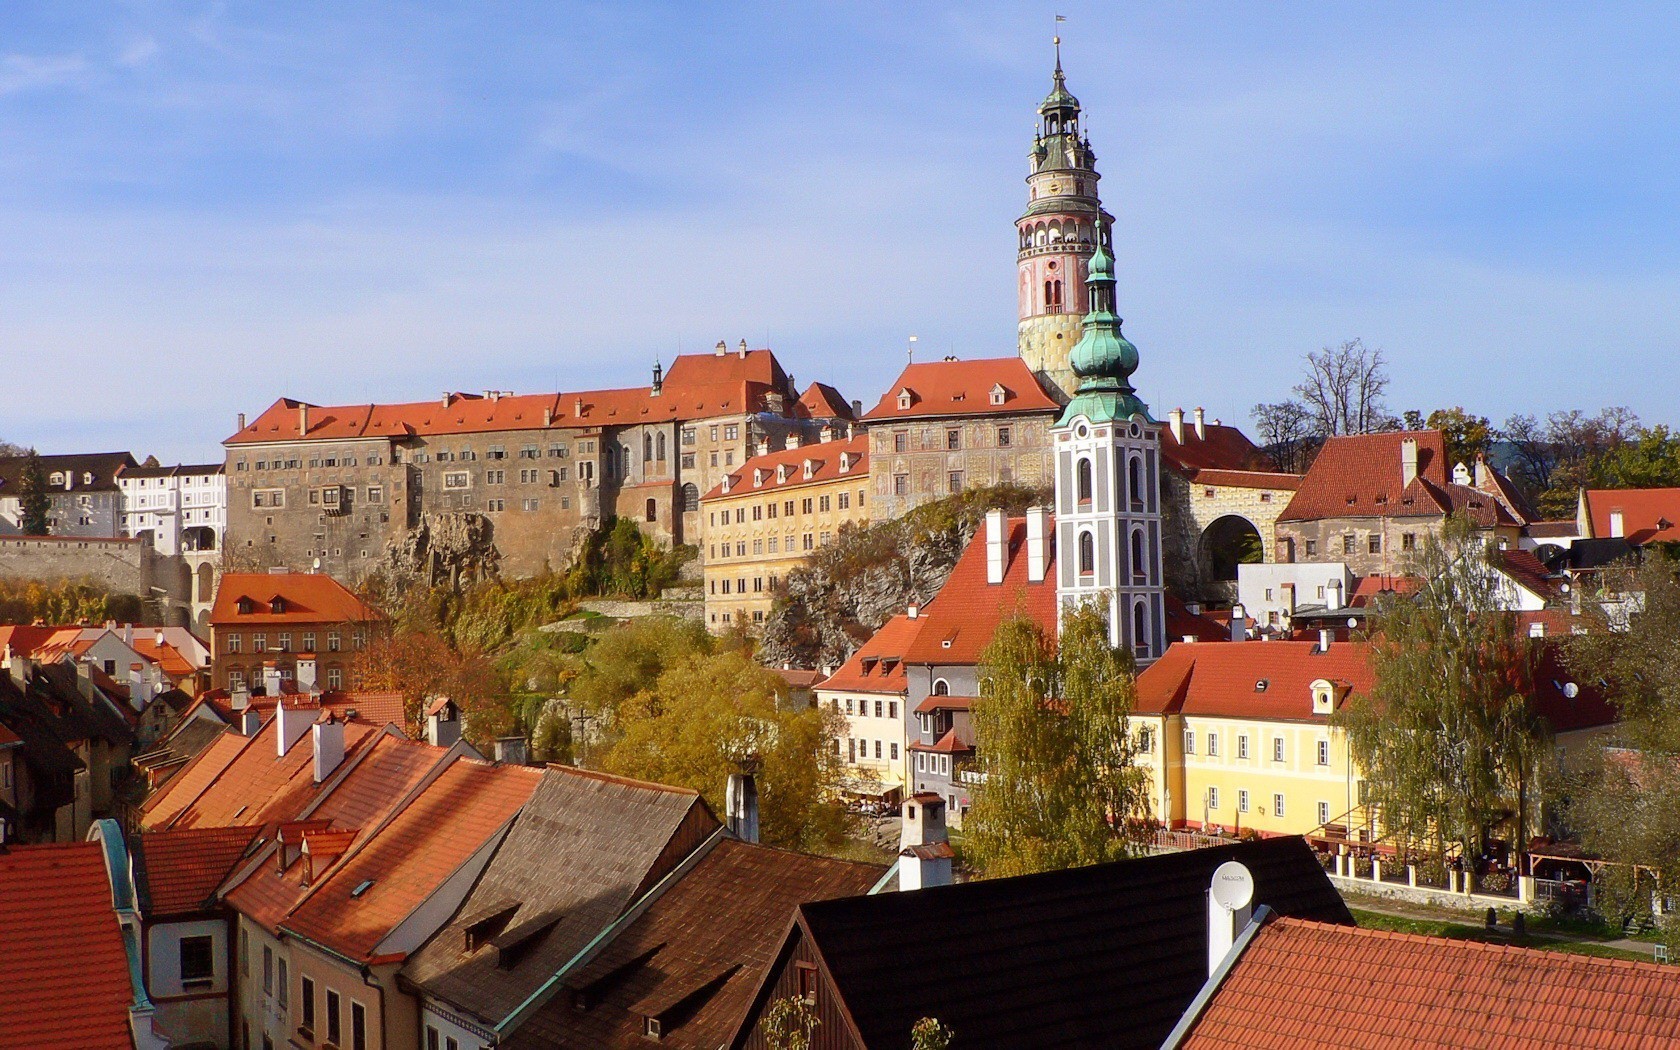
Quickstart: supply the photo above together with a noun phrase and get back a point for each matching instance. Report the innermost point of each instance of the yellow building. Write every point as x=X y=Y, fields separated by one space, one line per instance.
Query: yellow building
x=1237 y=735
x=765 y=518
x=870 y=690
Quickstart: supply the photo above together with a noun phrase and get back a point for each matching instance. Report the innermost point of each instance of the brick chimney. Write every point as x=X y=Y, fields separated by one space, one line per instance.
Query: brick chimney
x=997 y=545
x=241 y=421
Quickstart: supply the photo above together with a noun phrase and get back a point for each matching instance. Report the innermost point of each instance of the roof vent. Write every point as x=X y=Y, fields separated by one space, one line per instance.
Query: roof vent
x=361 y=887
x=1260 y=686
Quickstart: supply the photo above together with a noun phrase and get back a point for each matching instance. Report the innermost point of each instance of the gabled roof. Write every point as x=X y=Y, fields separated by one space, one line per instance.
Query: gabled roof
x=698 y=386
x=1221 y=448
x=1302 y=983
x=878 y=665
x=167 y=802
x=1360 y=476
x=784 y=470
x=177 y=871
x=103 y=466
x=371 y=708
x=960 y=621
x=305 y=598
x=257 y=785
x=940 y=389
x=64 y=970
x=696 y=955
x=1108 y=955
x=181 y=745
x=1648 y=515
x=1529 y=573
x=585 y=847
x=821 y=401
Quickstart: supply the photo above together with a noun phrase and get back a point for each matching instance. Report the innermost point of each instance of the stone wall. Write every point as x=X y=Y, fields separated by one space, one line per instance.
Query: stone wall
x=120 y=566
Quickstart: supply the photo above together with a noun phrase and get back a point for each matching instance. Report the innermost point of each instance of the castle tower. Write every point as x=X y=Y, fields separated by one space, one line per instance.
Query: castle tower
x=1108 y=482
x=1062 y=225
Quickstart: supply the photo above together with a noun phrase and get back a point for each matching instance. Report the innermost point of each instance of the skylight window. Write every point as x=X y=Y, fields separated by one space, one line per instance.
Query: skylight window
x=361 y=887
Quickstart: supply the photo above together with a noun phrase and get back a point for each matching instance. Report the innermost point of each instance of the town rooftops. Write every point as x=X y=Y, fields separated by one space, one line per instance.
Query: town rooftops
x=1217 y=447
x=1365 y=476
x=64 y=968
x=179 y=470
x=1640 y=516
x=878 y=665
x=821 y=401
x=1109 y=955
x=941 y=389
x=693 y=959
x=1303 y=983
x=177 y=871
x=697 y=386
x=792 y=468
x=959 y=623
x=259 y=599
x=77 y=472
x=585 y=847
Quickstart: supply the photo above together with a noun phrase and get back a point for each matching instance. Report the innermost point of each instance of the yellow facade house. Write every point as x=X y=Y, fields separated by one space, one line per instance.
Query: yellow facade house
x=767 y=517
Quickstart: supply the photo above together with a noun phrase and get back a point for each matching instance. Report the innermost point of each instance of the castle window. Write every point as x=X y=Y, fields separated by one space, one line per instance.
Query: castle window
x=1087 y=554
x=1084 y=480
x=1139 y=571
x=1136 y=480
x=652 y=510
x=1140 y=629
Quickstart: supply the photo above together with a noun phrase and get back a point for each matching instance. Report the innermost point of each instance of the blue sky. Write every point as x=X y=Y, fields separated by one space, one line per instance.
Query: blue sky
x=204 y=206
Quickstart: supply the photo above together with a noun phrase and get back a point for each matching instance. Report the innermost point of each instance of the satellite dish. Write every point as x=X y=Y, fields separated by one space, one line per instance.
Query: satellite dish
x=1233 y=886
x=1353 y=621
x=1571 y=690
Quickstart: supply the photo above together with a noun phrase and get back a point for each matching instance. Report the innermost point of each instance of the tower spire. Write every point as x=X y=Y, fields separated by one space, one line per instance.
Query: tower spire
x=1103 y=359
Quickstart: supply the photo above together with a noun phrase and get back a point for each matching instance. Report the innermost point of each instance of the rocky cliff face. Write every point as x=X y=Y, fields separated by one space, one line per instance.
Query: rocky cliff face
x=444 y=549
x=847 y=590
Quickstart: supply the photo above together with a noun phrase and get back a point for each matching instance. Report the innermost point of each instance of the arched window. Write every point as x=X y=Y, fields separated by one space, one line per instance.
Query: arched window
x=941 y=688
x=1087 y=554
x=661 y=455
x=1053 y=292
x=689 y=497
x=1139 y=570
x=652 y=510
x=1136 y=471
x=1140 y=629
x=1084 y=480
x=647 y=447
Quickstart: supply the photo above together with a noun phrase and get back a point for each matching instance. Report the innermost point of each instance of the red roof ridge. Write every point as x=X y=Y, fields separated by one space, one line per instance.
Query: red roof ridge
x=615 y=778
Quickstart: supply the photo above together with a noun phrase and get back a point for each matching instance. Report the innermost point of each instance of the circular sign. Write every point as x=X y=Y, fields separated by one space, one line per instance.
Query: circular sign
x=1233 y=886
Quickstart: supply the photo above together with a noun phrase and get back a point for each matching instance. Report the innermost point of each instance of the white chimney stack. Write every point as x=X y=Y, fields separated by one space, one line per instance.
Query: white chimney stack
x=329 y=747
x=443 y=724
x=1175 y=423
x=306 y=677
x=740 y=803
x=1333 y=595
x=1201 y=426
x=1617 y=528
x=1408 y=461
x=925 y=853
x=291 y=723
x=1239 y=624
x=997 y=545
x=1230 y=904
x=239 y=697
x=271 y=680
x=1038 y=543
x=1325 y=637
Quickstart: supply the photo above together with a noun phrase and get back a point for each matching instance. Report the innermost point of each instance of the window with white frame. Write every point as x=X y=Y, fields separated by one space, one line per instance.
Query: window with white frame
x=1324 y=752
x=1324 y=812
x=1277 y=805
x=1189 y=741
x=1277 y=749
x=1242 y=800
x=1242 y=745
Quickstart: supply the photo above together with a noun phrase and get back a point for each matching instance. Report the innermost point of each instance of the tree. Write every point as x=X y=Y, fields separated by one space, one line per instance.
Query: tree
x=1343 y=389
x=1062 y=783
x=1288 y=432
x=1626 y=805
x=1532 y=451
x=929 y=1034
x=422 y=665
x=789 y=1023
x=34 y=497
x=707 y=715
x=1447 y=739
x=1467 y=436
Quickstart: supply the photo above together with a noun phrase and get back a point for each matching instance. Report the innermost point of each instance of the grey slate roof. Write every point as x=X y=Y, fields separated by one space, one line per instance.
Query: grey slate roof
x=102 y=465
x=584 y=848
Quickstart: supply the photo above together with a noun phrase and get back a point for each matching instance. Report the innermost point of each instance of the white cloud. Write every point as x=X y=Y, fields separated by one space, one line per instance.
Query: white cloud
x=20 y=73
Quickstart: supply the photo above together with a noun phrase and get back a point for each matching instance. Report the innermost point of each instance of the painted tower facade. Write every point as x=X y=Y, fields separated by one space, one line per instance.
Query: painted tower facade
x=1063 y=225
x=1108 y=481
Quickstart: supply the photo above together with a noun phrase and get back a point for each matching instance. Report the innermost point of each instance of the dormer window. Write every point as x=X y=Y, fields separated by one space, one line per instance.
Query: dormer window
x=277 y=605
x=56 y=478
x=1323 y=697
x=999 y=395
x=846 y=463
x=758 y=476
x=905 y=398
x=245 y=606
x=810 y=469
x=782 y=472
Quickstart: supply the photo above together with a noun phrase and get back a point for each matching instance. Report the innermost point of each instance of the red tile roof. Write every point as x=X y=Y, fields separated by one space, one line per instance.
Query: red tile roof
x=823 y=457
x=411 y=856
x=1222 y=449
x=878 y=665
x=1247 y=479
x=1203 y=626
x=960 y=621
x=64 y=969
x=1528 y=572
x=1302 y=983
x=306 y=597
x=1366 y=589
x=944 y=703
x=177 y=871
x=167 y=803
x=258 y=786
x=371 y=708
x=698 y=386
x=939 y=389
x=949 y=744
x=1648 y=515
x=1359 y=476
x=821 y=401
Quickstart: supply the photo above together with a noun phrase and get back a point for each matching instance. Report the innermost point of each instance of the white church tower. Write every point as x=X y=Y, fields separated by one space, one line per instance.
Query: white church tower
x=1108 y=483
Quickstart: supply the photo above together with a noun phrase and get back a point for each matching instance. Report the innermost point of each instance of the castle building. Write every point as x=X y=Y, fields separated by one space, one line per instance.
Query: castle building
x=1108 y=483
x=1063 y=225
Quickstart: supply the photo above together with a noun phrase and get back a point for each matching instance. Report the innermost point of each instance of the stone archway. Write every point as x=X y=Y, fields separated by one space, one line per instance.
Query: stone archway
x=1229 y=541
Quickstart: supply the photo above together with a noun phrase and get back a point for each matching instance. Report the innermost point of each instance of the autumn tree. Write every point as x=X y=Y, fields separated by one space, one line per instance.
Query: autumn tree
x=1447 y=739
x=422 y=666
x=35 y=499
x=1467 y=435
x=709 y=713
x=1062 y=784
x=1343 y=389
x=789 y=1023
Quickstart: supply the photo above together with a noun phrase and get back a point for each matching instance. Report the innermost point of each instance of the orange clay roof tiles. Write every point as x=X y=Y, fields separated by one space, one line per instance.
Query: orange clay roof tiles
x=959 y=623
x=1648 y=515
x=408 y=859
x=306 y=597
x=184 y=787
x=878 y=665
x=1222 y=449
x=178 y=870
x=785 y=469
x=64 y=980
x=940 y=389
x=261 y=787
x=1303 y=983
x=1360 y=476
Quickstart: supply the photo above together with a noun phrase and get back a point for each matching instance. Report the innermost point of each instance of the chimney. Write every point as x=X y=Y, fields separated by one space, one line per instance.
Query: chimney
x=250 y=720
x=1239 y=624
x=1288 y=590
x=826 y=434
x=1230 y=904
x=241 y=421
x=306 y=673
x=577 y=407
x=721 y=349
x=303 y=420
x=271 y=680
x=1617 y=526
x=1333 y=595
x=742 y=354
x=857 y=408
x=239 y=697
x=763 y=446
x=128 y=635
x=443 y=724
x=84 y=676
x=1325 y=637
x=1408 y=461
x=293 y=722
x=329 y=746
x=924 y=857
x=1201 y=426
x=1038 y=543
x=157 y=638
x=510 y=750
x=1175 y=423
x=548 y=415
x=740 y=803
x=997 y=545
x=139 y=688
x=791 y=441
x=913 y=611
